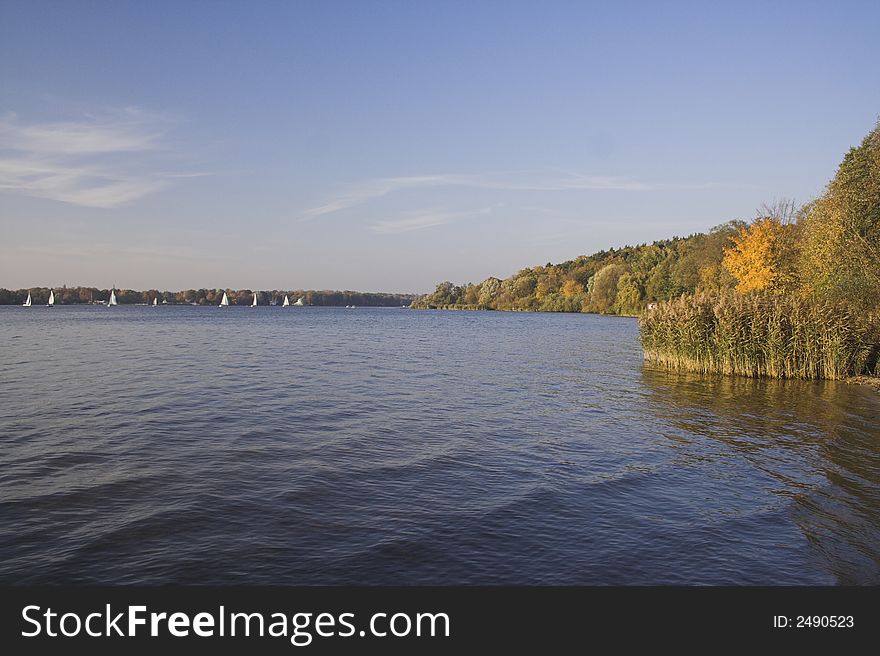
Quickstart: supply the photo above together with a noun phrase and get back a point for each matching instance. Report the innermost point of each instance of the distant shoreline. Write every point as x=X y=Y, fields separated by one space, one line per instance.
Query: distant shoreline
x=96 y=296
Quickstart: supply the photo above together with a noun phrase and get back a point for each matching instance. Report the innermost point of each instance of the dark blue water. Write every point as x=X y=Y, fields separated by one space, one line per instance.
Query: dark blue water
x=389 y=446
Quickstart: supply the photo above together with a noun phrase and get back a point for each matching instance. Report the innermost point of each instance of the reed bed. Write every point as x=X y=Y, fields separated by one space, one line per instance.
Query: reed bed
x=761 y=335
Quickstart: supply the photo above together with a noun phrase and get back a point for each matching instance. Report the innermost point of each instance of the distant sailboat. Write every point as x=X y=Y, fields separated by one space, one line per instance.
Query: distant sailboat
x=27 y=303
x=254 y=304
x=112 y=300
x=155 y=301
x=51 y=298
x=225 y=301
x=286 y=302
x=299 y=301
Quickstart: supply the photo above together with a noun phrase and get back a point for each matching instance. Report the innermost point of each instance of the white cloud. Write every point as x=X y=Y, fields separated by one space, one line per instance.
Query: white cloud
x=372 y=189
x=97 y=161
x=77 y=138
x=425 y=220
x=360 y=193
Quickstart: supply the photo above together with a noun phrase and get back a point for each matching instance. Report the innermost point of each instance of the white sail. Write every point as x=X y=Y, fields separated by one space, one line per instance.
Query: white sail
x=27 y=303
x=112 y=300
x=156 y=301
x=225 y=301
x=299 y=301
x=51 y=297
x=254 y=304
x=286 y=301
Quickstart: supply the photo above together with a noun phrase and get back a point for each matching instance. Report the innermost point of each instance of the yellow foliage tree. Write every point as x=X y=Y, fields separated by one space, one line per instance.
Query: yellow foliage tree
x=548 y=281
x=755 y=259
x=572 y=288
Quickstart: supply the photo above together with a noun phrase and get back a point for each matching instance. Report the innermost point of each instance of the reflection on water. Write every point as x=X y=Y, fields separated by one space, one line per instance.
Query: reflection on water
x=818 y=441
x=331 y=446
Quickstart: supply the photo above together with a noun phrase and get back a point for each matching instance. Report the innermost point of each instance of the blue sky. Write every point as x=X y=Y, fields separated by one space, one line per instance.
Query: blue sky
x=386 y=146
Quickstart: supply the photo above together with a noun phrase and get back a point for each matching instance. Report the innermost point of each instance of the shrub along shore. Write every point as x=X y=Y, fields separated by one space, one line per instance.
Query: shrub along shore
x=761 y=335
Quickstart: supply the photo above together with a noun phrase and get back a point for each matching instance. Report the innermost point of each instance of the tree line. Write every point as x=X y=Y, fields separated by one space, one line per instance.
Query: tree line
x=84 y=295
x=828 y=248
x=614 y=281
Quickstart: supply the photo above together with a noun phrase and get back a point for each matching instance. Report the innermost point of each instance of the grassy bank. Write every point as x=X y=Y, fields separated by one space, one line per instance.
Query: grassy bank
x=761 y=335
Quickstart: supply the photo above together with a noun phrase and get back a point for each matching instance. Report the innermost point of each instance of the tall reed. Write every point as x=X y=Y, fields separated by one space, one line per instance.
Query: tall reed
x=761 y=335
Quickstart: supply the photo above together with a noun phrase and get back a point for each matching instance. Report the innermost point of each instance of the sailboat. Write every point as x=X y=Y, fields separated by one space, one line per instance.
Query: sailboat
x=155 y=301
x=27 y=303
x=51 y=298
x=286 y=302
x=224 y=302
x=299 y=301
x=112 y=300
x=254 y=304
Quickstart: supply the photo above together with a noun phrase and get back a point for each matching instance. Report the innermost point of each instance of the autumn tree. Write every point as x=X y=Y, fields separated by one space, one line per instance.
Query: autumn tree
x=603 y=291
x=841 y=242
x=471 y=294
x=548 y=281
x=762 y=255
x=525 y=283
x=572 y=288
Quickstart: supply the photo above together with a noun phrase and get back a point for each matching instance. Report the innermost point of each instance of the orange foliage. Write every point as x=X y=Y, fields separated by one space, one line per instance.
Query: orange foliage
x=754 y=259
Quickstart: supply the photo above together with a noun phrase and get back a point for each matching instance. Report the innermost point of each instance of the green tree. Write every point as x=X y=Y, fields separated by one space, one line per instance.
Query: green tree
x=841 y=240
x=629 y=295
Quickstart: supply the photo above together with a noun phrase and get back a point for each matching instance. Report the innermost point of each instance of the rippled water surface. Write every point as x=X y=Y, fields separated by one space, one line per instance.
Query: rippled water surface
x=388 y=446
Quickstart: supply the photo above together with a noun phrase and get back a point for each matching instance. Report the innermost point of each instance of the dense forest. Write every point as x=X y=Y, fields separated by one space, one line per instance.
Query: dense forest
x=616 y=281
x=829 y=247
x=79 y=295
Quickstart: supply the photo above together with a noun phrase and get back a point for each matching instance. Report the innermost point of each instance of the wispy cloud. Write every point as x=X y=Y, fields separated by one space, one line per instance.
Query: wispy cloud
x=563 y=181
x=96 y=161
x=363 y=192
x=424 y=220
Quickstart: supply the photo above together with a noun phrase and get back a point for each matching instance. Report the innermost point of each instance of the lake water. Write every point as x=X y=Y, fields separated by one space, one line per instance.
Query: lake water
x=390 y=446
